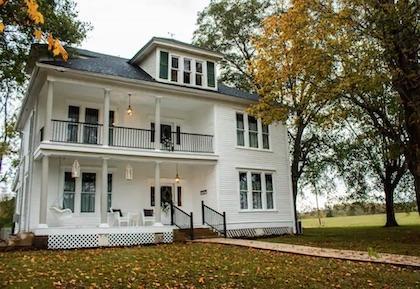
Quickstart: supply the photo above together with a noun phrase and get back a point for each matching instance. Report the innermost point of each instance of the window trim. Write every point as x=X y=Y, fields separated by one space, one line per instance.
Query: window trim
x=246 y=134
x=186 y=71
x=242 y=130
x=199 y=73
x=262 y=173
x=171 y=68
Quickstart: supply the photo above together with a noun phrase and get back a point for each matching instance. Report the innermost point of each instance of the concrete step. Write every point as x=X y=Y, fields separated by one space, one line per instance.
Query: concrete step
x=182 y=235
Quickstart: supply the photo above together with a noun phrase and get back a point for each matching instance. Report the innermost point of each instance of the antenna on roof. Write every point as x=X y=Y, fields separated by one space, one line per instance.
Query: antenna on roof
x=171 y=34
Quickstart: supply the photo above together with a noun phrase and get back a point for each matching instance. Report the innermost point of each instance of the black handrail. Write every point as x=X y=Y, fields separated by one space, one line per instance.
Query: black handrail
x=76 y=132
x=216 y=220
x=182 y=220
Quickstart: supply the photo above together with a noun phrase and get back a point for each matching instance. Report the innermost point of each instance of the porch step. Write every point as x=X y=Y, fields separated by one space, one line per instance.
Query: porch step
x=21 y=240
x=182 y=235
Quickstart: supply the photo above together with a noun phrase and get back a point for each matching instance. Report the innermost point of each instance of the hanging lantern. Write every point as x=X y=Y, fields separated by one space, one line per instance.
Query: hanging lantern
x=129 y=109
x=177 y=179
x=75 y=169
x=128 y=172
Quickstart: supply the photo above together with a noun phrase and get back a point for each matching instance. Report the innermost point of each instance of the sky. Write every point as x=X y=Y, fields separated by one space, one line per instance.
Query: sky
x=122 y=27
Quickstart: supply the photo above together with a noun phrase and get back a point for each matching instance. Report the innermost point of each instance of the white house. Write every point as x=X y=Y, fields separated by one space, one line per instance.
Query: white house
x=104 y=134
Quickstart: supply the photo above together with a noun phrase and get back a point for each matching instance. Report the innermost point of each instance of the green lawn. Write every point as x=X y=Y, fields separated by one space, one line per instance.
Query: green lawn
x=367 y=220
x=399 y=240
x=193 y=266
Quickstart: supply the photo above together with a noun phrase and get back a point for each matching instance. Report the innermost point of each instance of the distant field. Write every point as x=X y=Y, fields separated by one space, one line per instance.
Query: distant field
x=361 y=221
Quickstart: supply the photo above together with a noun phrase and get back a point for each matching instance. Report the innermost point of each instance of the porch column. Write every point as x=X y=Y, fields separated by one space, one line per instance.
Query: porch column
x=157 y=123
x=157 y=195
x=48 y=111
x=104 y=195
x=43 y=200
x=107 y=93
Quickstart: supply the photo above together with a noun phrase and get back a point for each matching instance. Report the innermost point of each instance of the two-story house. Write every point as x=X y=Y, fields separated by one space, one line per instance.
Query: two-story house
x=123 y=151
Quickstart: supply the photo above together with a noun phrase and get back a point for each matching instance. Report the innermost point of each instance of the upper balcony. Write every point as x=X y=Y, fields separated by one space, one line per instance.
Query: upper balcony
x=91 y=116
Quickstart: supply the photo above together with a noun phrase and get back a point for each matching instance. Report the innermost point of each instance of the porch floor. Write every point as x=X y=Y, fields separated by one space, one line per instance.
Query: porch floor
x=79 y=230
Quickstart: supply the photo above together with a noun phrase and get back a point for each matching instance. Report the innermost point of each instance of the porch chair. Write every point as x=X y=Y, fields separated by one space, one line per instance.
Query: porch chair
x=148 y=215
x=121 y=220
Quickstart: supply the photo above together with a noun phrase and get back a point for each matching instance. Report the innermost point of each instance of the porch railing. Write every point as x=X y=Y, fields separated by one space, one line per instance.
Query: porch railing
x=131 y=137
x=187 y=142
x=76 y=132
x=182 y=220
x=216 y=220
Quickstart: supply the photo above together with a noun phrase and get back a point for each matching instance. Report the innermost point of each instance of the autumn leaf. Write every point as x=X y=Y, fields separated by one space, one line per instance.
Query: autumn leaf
x=50 y=41
x=33 y=12
x=1 y=26
x=2 y=2
x=38 y=34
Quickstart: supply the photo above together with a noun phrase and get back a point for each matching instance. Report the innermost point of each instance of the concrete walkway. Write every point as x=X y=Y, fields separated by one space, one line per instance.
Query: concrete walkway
x=360 y=256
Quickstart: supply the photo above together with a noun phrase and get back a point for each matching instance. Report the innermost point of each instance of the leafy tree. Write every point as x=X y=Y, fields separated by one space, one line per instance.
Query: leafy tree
x=23 y=22
x=228 y=26
x=383 y=38
x=294 y=69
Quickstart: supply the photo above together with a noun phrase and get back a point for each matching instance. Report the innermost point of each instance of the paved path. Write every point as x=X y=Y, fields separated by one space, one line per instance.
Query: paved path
x=320 y=252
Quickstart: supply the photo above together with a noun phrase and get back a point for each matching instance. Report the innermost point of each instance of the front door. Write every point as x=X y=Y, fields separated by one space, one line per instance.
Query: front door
x=166 y=199
x=166 y=136
x=90 y=132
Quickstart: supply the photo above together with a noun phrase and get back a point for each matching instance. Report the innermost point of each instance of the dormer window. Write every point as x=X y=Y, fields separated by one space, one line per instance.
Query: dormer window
x=187 y=71
x=211 y=78
x=199 y=73
x=174 y=68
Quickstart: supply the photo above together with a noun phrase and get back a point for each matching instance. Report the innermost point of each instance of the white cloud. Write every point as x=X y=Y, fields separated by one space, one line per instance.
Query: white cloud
x=122 y=27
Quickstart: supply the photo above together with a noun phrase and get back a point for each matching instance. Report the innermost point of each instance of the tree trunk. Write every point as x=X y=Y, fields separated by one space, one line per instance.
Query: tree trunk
x=389 y=205
x=294 y=192
x=417 y=188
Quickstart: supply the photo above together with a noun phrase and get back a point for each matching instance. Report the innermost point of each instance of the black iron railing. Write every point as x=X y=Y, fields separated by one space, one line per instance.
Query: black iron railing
x=76 y=132
x=182 y=220
x=130 y=137
x=216 y=220
x=187 y=142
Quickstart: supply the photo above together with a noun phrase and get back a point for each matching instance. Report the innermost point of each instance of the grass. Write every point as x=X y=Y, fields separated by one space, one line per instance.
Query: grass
x=412 y=218
x=193 y=266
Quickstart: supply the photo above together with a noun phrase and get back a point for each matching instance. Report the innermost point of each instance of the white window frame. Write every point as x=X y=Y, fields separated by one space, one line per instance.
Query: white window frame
x=247 y=131
x=243 y=130
x=172 y=56
x=262 y=173
x=188 y=71
x=199 y=73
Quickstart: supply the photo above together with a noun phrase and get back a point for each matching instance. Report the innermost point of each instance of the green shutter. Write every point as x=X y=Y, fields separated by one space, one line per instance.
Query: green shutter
x=211 y=79
x=163 y=73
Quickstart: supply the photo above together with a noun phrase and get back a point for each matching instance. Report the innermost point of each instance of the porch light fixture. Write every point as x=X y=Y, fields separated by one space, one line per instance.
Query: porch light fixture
x=129 y=109
x=177 y=179
x=128 y=172
x=75 y=169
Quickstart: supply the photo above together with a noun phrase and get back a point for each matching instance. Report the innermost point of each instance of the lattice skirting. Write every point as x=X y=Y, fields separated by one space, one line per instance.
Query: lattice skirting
x=74 y=241
x=258 y=232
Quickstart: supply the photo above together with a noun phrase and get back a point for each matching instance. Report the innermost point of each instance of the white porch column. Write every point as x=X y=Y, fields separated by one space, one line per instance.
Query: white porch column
x=104 y=194
x=43 y=202
x=107 y=94
x=157 y=123
x=157 y=195
x=48 y=111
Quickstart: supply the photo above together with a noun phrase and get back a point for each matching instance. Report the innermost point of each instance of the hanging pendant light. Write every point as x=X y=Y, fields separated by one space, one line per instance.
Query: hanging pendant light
x=177 y=179
x=128 y=172
x=75 y=169
x=129 y=109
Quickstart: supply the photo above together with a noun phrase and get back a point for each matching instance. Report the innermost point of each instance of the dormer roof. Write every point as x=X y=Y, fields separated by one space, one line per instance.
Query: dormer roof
x=173 y=44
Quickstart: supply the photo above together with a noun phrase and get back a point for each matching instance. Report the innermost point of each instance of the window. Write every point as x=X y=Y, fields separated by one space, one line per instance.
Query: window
x=73 y=128
x=253 y=131
x=88 y=193
x=198 y=73
x=109 y=200
x=269 y=191
x=163 y=65
x=174 y=68
x=90 y=128
x=187 y=71
x=111 y=124
x=179 y=196
x=256 y=191
x=240 y=129
x=69 y=191
x=211 y=78
x=152 y=196
x=265 y=136
x=259 y=190
x=243 y=190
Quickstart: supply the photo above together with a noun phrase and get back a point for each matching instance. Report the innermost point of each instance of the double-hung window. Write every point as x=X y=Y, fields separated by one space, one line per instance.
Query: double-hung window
x=69 y=191
x=256 y=190
x=265 y=136
x=240 y=129
x=199 y=73
x=88 y=193
x=174 y=68
x=253 y=131
x=187 y=71
x=243 y=190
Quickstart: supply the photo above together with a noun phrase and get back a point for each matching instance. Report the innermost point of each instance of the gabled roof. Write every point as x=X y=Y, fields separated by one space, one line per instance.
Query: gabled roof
x=93 y=62
x=172 y=43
